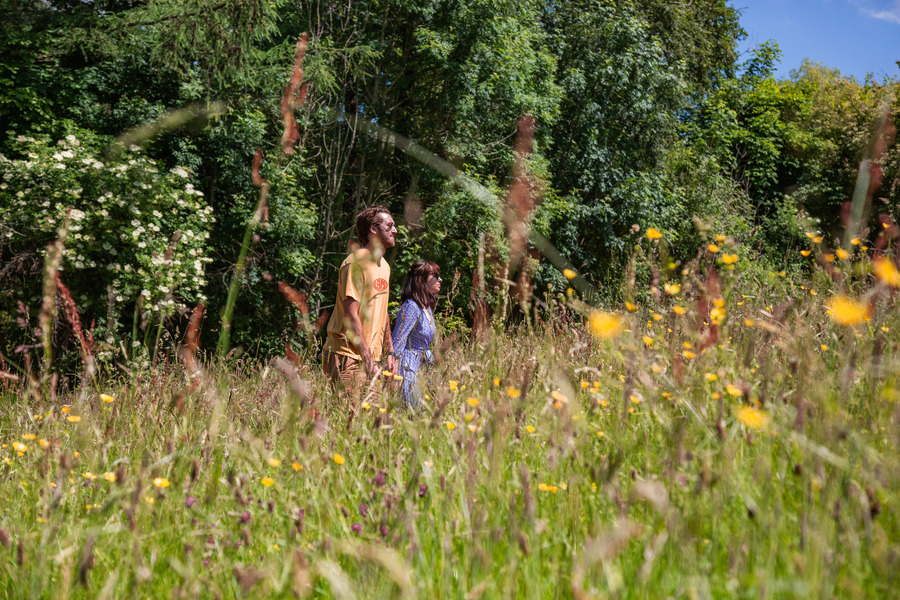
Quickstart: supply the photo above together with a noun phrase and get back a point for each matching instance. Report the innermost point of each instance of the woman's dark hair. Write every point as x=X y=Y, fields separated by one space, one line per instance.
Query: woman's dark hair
x=415 y=285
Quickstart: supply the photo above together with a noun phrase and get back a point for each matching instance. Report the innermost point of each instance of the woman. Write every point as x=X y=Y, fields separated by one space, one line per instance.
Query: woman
x=414 y=328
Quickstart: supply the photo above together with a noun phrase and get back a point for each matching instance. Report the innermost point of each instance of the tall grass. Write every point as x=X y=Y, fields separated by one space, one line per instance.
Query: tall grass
x=750 y=451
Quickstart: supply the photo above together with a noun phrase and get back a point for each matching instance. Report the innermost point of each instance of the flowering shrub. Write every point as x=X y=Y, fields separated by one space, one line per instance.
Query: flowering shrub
x=130 y=228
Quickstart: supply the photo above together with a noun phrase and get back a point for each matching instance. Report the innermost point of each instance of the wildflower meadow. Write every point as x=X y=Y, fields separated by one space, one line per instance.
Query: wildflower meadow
x=727 y=437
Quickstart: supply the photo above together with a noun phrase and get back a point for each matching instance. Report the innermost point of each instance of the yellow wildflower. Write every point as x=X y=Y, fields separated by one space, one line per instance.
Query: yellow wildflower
x=296 y=466
x=729 y=259
x=529 y=428
x=753 y=418
x=472 y=401
x=274 y=462
x=653 y=233
x=569 y=273
x=630 y=307
x=672 y=288
x=161 y=482
x=339 y=459
x=107 y=398
x=679 y=310
x=805 y=253
x=733 y=390
x=604 y=325
x=513 y=392
x=450 y=425
x=712 y=248
x=847 y=311
x=886 y=271
x=73 y=419
x=842 y=254
x=267 y=481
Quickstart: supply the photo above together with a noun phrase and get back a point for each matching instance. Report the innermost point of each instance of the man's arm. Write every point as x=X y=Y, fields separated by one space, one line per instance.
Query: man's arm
x=388 y=344
x=351 y=309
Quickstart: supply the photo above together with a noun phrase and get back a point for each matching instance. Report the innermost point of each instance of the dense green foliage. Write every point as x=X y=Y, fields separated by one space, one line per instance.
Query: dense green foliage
x=644 y=117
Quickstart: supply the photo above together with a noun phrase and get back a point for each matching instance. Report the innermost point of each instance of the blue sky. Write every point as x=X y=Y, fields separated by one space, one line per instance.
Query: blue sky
x=855 y=36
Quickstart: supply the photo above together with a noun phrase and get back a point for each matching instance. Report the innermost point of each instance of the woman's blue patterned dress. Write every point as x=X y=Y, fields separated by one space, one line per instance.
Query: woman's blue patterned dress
x=413 y=332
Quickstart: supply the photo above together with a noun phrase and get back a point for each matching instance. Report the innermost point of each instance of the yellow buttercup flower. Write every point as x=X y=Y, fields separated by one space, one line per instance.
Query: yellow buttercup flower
x=847 y=311
x=339 y=459
x=605 y=325
x=450 y=425
x=274 y=462
x=712 y=248
x=472 y=401
x=805 y=253
x=711 y=376
x=720 y=238
x=842 y=254
x=296 y=466
x=672 y=288
x=679 y=310
x=73 y=419
x=733 y=390
x=818 y=239
x=529 y=428
x=454 y=385
x=569 y=273
x=267 y=481
x=161 y=482
x=653 y=233
x=886 y=271
x=752 y=418
x=729 y=259
x=513 y=392
x=107 y=398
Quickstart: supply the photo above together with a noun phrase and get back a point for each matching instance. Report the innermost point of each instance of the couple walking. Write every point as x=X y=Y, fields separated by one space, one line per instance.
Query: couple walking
x=359 y=330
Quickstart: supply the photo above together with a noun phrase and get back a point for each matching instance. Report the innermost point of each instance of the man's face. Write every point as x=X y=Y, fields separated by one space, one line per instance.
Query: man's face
x=384 y=230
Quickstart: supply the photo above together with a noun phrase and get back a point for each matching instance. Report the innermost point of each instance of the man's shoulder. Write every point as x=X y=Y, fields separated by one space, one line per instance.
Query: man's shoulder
x=356 y=256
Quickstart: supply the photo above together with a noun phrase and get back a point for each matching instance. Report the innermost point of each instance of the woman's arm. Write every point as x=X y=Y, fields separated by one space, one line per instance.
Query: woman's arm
x=407 y=318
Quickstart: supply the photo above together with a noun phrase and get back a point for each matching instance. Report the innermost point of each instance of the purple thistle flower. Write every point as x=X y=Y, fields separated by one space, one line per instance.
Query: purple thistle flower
x=357 y=528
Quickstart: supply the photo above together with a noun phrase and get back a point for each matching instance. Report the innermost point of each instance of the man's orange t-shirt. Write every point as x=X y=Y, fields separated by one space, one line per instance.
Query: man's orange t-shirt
x=366 y=280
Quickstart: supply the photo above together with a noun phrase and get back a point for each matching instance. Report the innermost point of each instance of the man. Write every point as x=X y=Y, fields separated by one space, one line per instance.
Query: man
x=359 y=328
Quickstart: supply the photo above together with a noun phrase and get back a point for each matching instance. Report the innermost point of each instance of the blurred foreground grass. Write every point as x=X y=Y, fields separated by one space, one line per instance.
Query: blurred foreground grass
x=704 y=444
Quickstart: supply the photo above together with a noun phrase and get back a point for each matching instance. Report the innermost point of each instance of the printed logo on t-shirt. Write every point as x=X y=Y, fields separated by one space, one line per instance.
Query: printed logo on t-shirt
x=380 y=284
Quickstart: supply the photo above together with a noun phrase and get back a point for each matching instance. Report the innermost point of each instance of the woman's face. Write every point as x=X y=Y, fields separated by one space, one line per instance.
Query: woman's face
x=433 y=283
